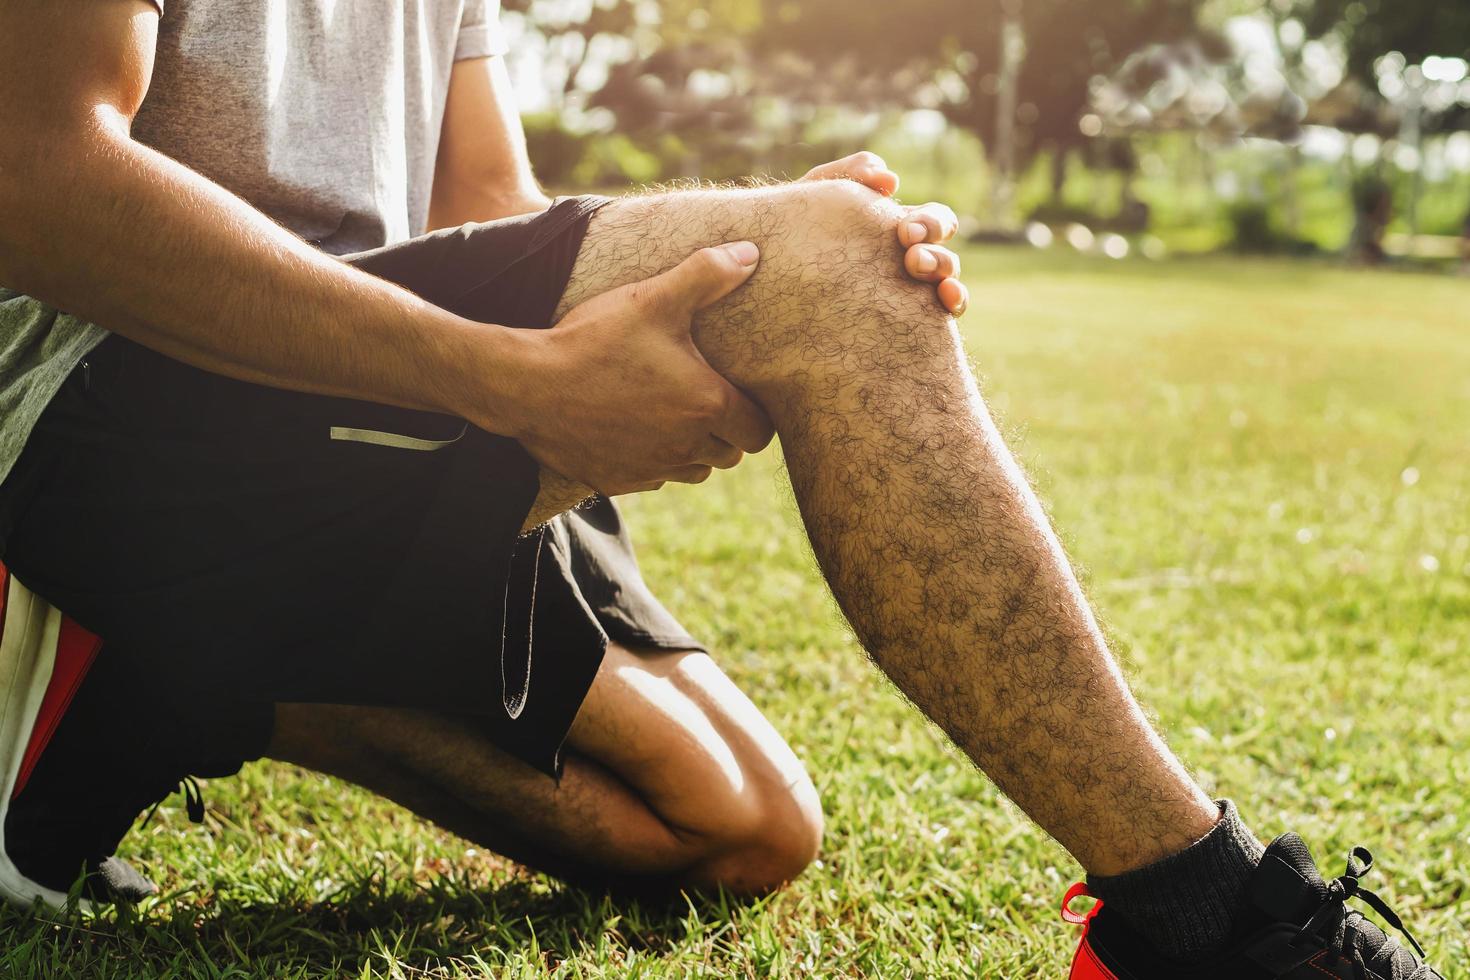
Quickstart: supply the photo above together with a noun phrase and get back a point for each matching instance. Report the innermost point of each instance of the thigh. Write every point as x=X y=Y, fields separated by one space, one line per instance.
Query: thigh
x=232 y=540
x=665 y=753
x=675 y=727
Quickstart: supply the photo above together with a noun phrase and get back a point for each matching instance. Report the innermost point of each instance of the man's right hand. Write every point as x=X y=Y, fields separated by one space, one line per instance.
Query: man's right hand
x=617 y=397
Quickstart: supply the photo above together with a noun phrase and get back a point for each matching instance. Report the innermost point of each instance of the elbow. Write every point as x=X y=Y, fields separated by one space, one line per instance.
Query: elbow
x=13 y=184
x=39 y=176
x=23 y=192
x=31 y=164
x=21 y=166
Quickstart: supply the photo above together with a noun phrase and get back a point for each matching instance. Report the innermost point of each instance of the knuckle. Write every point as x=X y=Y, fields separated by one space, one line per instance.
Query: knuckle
x=846 y=204
x=713 y=403
x=710 y=259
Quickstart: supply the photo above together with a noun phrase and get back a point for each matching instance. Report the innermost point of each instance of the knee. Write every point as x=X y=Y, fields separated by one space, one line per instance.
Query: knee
x=767 y=845
x=830 y=296
x=841 y=228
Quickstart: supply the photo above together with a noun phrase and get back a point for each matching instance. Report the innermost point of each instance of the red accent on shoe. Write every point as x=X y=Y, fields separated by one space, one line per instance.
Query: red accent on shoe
x=76 y=649
x=1085 y=965
x=1077 y=891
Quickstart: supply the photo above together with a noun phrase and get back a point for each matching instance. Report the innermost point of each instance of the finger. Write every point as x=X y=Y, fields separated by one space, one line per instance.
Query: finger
x=865 y=168
x=720 y=454
x=705 y=277
x=691 y=474
x=853 y=163
x=622 y=489
x=743 y=424
x=955 y=296
x=931 y=263
x=933 y=223
x=884 y=181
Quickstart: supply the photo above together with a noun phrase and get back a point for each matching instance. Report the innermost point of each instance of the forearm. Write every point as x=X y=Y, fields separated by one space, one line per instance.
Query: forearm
x=483 y=170
x=133 y=241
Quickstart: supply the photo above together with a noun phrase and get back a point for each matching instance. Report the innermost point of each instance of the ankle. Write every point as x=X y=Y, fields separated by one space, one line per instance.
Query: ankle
x=1182 y=828
x=1187 y=903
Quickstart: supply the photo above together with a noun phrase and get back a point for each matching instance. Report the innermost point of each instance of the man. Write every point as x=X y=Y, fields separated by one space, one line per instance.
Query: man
x=289 y=496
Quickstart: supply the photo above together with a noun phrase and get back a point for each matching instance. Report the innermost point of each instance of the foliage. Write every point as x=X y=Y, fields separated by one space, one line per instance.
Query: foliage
x=1068 y=44
x=1254 y=230
x=1371 y=28
x=707 y=71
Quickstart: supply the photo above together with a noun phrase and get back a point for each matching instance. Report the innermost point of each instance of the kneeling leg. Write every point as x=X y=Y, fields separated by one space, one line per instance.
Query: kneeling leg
x=672 y=778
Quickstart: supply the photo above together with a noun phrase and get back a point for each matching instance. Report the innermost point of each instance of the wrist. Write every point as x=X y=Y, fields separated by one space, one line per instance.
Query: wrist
x=494 y=378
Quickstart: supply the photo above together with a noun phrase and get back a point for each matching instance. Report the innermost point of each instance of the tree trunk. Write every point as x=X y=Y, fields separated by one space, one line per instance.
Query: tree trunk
x=1012 y=53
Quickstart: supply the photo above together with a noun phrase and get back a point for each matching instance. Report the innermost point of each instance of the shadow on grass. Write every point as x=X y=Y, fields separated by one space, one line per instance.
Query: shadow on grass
x=365 y=924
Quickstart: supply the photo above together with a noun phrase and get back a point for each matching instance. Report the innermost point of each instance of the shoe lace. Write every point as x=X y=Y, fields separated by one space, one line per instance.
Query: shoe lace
x=1350 y=935
x=193 y=801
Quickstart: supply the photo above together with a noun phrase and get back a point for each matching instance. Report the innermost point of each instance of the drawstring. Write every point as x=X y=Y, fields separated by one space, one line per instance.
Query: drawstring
x=514 y=702
x=1339 y=890
x=193 y=802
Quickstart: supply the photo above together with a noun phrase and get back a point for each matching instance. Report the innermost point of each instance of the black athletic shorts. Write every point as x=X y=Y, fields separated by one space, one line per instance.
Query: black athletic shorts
x=235 y=546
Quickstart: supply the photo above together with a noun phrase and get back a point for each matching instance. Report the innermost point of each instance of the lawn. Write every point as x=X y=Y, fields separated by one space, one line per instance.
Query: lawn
x=1263 y=470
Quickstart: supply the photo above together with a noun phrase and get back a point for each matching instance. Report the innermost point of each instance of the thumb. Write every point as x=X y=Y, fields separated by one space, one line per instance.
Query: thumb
x=707 y=276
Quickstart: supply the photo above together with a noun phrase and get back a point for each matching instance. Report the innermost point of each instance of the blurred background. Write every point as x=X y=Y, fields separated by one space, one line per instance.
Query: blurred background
x=1114 y=127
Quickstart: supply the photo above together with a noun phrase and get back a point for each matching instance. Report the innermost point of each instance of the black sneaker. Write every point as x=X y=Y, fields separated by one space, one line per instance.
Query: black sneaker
x=1299 y=928
x=68 y=793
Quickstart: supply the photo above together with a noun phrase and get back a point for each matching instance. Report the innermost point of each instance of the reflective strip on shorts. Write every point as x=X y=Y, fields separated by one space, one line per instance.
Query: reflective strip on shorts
x=393 y=440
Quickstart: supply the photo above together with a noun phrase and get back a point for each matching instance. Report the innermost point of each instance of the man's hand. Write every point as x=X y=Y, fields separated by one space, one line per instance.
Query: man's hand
x=923 y=230
x=628 y=355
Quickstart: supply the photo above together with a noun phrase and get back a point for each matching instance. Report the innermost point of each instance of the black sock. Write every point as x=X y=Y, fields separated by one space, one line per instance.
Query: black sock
x=1187 y=904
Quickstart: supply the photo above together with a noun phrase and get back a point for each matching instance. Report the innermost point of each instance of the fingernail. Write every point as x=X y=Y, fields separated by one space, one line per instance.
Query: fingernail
x=926 y=262
x=917 y=232
x=745 y=253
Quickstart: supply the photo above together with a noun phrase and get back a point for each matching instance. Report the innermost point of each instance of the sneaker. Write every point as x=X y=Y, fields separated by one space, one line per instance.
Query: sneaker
x=1298 y=928
x=46 y=841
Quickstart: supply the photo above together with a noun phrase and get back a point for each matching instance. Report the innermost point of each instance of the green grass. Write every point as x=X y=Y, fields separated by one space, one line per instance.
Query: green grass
x=1263 y=470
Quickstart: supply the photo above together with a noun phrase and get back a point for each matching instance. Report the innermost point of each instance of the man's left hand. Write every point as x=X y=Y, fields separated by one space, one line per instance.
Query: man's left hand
x=922 y=231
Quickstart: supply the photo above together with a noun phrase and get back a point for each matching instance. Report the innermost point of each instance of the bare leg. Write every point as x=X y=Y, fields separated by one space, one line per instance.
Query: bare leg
x=936 y=548
x=672 y=777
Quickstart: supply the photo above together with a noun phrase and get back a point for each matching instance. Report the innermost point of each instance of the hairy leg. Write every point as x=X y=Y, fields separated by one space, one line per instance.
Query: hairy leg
x=672 y=778
x=933 y=543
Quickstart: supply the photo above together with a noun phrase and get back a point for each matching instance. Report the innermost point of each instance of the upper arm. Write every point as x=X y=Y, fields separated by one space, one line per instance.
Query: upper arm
x=482 y=137
x=70 y=65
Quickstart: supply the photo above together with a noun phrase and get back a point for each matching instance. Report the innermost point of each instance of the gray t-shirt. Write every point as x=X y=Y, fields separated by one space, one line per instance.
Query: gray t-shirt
x=324 y=114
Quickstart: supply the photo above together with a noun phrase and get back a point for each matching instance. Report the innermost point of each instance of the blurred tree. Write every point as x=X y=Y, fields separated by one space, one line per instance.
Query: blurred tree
x=1369 y=29
x=980 y=74
x=711 y=87
x=1398 y=48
